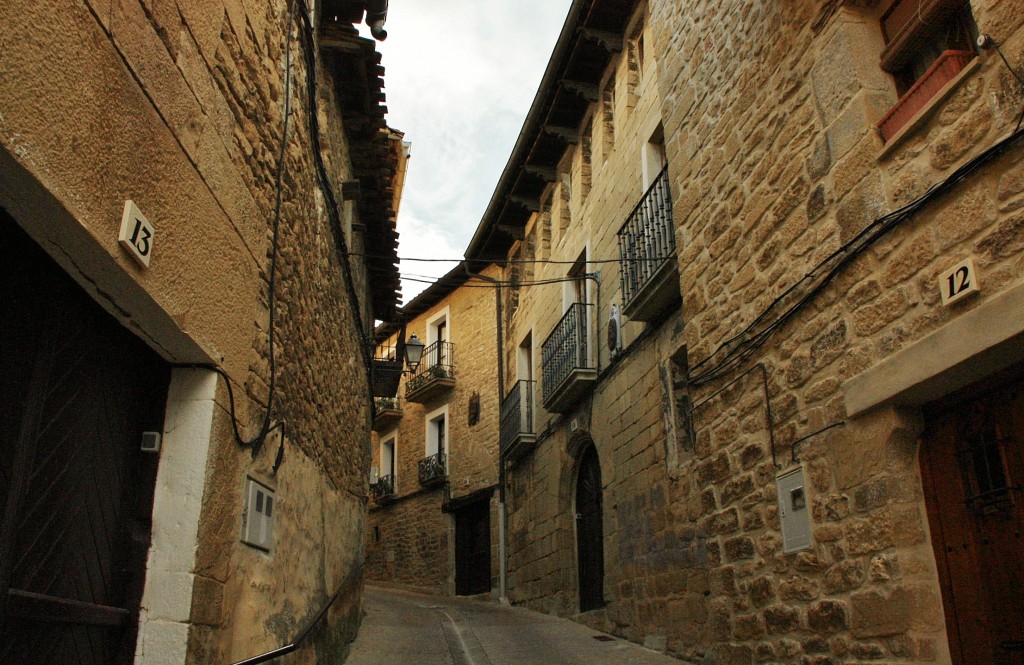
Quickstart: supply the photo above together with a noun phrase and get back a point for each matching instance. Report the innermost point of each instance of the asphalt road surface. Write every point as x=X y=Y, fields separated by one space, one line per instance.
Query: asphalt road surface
x=406 y=628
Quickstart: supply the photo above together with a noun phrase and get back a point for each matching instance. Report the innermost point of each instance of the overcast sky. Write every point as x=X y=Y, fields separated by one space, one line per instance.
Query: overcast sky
x=460 y=78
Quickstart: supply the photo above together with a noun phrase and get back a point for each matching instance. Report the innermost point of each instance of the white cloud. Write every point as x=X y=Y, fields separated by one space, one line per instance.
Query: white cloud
x=460 y=78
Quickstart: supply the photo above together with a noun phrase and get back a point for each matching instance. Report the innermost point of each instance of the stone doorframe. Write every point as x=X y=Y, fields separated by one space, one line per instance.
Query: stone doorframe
x=884 y=406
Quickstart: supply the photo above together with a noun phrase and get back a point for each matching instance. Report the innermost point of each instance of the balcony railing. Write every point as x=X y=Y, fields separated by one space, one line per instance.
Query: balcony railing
x=383 y=489
x=435 y=373
x=388 y=412
x=647 y=247
x=567 y=364
x=433 y=469
x=517 y=433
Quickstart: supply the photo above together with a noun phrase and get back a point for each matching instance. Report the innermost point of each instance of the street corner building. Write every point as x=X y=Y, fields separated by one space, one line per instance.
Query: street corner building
x=763 y=303
x=196 y=235
x=434 y=517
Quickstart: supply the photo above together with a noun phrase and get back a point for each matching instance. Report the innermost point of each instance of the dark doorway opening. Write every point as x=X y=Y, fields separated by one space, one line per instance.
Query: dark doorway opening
x=473 y=548
x=590 y=532
x=972 y=468
x=76 y=392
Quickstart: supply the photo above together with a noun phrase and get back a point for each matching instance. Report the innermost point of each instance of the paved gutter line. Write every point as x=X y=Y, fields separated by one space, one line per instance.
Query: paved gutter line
x=463 y=645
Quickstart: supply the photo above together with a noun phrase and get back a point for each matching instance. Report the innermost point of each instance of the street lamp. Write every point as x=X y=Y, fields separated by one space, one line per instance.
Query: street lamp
x=413 y=352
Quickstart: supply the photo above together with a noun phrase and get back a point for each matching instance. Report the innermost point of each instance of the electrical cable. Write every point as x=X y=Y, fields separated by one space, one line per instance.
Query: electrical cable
x=1016 y=75
x=329 y=196
x=741 y=346
x=256 y=442
x=503 y=283
x=504 y=262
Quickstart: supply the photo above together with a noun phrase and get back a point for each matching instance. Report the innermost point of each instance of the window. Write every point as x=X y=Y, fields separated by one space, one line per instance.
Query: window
x=653 y=159
x=574 y=290
x=439 y=350
x=928 y=42
x=437 y=432
x=524 y=359
x=387 y=459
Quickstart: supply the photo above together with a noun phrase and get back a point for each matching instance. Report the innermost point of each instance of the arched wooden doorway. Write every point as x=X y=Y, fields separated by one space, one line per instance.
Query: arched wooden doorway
x=589 y=531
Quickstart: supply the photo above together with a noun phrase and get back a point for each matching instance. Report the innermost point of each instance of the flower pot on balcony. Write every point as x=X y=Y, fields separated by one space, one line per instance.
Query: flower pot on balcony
x=942 y=71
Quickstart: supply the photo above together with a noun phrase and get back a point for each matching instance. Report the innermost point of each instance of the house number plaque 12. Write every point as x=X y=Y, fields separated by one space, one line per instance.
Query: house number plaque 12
x=958 y=282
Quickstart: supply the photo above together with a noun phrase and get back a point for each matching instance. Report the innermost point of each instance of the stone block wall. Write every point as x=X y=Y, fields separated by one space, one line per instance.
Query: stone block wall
x=410 y=543
x=179 y=106
x=768 y=112
x=472 y=449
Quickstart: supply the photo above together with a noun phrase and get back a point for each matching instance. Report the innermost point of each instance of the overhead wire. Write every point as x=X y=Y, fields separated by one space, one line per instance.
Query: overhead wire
x=256 y=442
x=739 y=347
x=501 y=262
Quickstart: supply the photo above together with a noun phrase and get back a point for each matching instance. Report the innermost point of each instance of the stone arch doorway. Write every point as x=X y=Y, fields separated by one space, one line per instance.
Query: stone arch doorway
x=589 y=531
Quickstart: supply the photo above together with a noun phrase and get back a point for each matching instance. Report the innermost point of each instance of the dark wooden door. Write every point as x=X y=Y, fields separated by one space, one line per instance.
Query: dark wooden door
x=76 y=393
x=972 y=464
x=590 y=532
x=473 y=549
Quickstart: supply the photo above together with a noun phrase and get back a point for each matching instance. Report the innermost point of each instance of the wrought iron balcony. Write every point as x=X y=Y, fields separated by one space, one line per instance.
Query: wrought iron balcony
x=384 y=489
x=433 y=469
x=567 y=366
x=388 y=413
x=649 y=271
x=386 y=374
x=517 y=434
x=435 y=374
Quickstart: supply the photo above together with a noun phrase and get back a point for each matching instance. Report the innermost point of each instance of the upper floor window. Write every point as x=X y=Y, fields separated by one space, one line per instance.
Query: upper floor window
x=438 y=338
x=928 y=42
x=437 y=434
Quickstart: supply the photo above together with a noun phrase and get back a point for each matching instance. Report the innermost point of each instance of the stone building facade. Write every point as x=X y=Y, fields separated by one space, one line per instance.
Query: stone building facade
x=433 y=524
x=801 y=442
x=200 y=490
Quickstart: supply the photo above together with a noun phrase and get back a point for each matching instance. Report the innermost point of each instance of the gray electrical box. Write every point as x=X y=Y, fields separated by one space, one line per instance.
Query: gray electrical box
x=793 y=510
x=258 y=515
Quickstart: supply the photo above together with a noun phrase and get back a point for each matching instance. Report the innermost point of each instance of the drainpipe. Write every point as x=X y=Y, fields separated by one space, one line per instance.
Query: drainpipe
x=502 y=527
x=376 y=14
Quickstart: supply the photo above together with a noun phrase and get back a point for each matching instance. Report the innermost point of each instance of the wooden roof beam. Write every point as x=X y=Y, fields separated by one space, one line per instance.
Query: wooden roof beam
x=608 y=41
x=545 y=173
x=567 y=134
x=529 y=202
x=515 y=232
x=587 y=91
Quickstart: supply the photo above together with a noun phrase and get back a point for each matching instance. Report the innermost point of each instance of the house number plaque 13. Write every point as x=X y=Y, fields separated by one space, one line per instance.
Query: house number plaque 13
x=137 y=234
x=958 y=282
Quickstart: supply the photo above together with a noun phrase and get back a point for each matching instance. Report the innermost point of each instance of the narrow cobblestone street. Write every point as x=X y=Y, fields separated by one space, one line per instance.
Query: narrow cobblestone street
x=402 y=627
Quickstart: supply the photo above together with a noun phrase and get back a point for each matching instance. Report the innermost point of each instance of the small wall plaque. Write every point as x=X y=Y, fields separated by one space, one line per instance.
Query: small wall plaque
x=137 y=234
x=958 y=282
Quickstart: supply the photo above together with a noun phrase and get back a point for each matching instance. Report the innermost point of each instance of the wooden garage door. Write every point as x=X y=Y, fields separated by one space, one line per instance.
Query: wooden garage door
x=76 y=393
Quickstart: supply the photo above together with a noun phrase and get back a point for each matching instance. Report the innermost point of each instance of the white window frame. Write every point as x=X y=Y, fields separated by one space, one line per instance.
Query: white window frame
x=653 y=156
x=392 y=438
x=430 y=434
x=441 y=316
x=569 y=286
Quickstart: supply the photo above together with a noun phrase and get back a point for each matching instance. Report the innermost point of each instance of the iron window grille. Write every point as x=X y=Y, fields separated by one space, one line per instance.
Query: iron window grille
x=388 y=403
x=437 y=363
x=983 y=467
x=433 y=468
x=517 y=413
x=384 y=488
x=566 y=349
x=647 y=240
